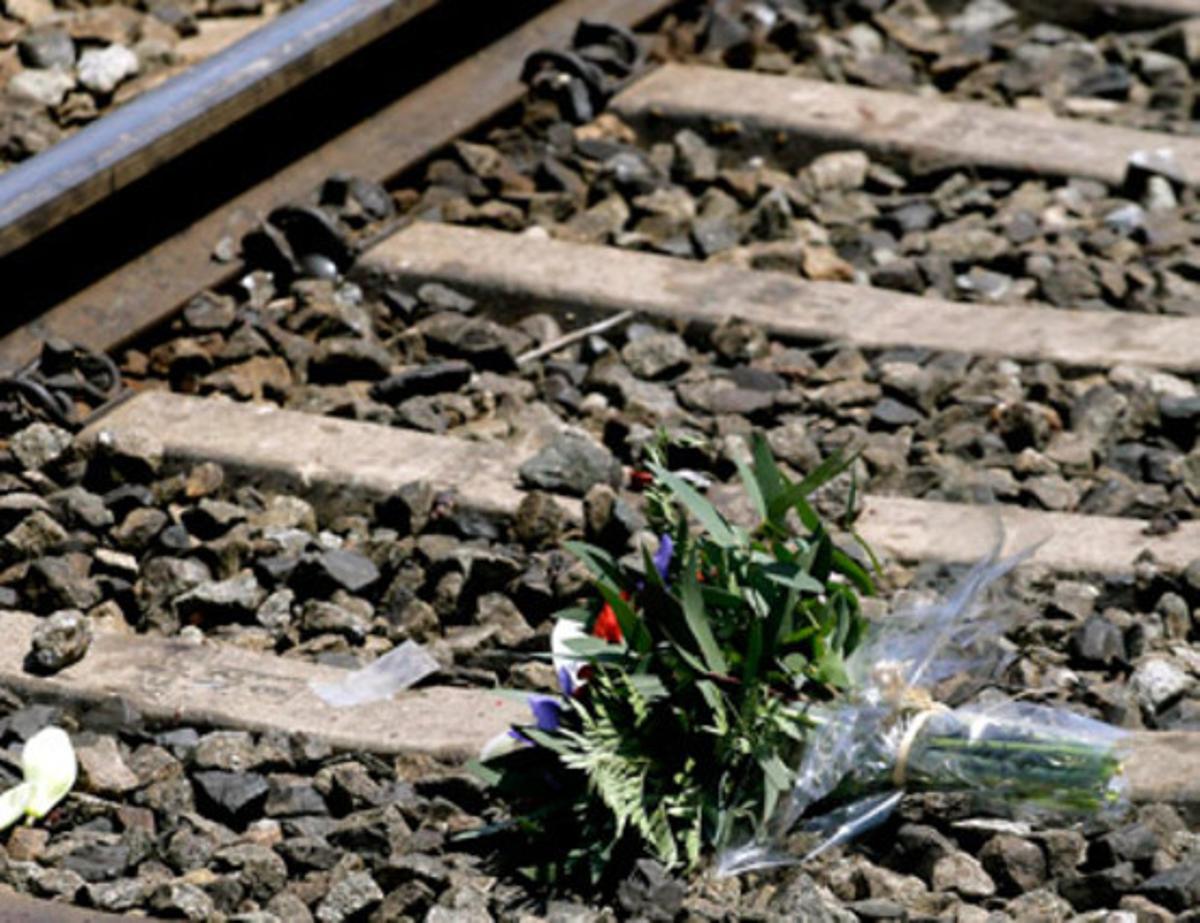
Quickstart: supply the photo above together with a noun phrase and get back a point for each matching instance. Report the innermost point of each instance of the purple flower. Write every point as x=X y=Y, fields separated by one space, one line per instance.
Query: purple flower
x=547 y=715
x=662 y=557
x=547 y=711
x=566 y=681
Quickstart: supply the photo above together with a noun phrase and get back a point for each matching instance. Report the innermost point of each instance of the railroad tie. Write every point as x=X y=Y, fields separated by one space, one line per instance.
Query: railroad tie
x=21 y=908
x=794 y=119
x=339 y=465
x=590 y=279
x=265 y=445
x=170 y=681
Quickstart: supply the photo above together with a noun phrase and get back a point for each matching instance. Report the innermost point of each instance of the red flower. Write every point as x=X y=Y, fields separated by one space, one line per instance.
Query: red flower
x=640 y=480
x=606 y=625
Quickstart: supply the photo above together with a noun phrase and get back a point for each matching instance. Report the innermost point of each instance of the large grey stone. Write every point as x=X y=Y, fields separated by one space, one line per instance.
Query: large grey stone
x=102 y=69
x=39 y=444
x=1156 y=681
x=45 y=86
x=47 y=48
x=60 y=640
x=349 y=898
x=571 y=463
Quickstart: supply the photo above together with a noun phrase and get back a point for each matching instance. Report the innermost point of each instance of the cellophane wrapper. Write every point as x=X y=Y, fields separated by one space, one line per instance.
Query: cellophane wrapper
x=889 y=735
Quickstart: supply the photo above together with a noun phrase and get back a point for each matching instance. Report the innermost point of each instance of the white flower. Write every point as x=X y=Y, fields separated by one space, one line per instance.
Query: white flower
x=50 y=769
x=567 y=663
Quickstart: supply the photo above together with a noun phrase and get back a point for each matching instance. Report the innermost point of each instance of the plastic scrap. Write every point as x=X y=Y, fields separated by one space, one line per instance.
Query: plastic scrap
x=397 y=670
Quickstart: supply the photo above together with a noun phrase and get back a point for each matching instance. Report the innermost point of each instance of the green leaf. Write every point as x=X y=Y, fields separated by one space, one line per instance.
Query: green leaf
x=776 y=770
x=551 y=741
x=716 y=597
x=596 y=649
x=754 y=650
x=777 y=779
x=632 y=629
x=706 y=514
x=825 y=472
x=684 y=652
x=597 y=560
x=853 y=571
x=795 y=496
x=793 y=577
x=832 y=670
x=851 y=501
x=753 y=488
x=511 y=695
x=822 y=562
x=649 y=686
x=712 y=695
x=573 y=614
x=486 y=774
x=767 y=476
x=652 y=577
x=697 y=619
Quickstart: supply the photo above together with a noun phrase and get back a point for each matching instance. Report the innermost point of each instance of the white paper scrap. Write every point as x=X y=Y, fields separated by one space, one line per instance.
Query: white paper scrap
x=398 y=669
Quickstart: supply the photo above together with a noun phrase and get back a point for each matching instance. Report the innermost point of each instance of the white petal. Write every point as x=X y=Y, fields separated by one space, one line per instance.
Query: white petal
x=499 y=745
x=49 y=763
x=566 y=630
x=12 y=804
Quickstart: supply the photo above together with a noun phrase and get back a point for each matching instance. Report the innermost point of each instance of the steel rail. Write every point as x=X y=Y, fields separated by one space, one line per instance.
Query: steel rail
x=157 y=126
x=143 y=292
x=1132 y=13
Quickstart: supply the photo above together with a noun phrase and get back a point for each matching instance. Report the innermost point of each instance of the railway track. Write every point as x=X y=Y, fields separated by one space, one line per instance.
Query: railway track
x=371 y=480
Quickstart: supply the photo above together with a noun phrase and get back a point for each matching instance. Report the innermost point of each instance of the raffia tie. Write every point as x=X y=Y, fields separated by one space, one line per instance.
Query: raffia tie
x=900 y=770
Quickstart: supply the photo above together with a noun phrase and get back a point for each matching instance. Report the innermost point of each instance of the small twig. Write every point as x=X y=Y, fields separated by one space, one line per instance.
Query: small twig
x=575 y=336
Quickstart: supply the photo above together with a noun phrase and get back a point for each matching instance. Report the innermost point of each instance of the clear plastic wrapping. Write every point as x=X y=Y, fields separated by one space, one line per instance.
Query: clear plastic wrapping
x=890 y=735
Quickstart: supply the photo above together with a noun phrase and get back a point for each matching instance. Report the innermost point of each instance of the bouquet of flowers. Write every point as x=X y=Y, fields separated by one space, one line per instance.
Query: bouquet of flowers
x=727 y=687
